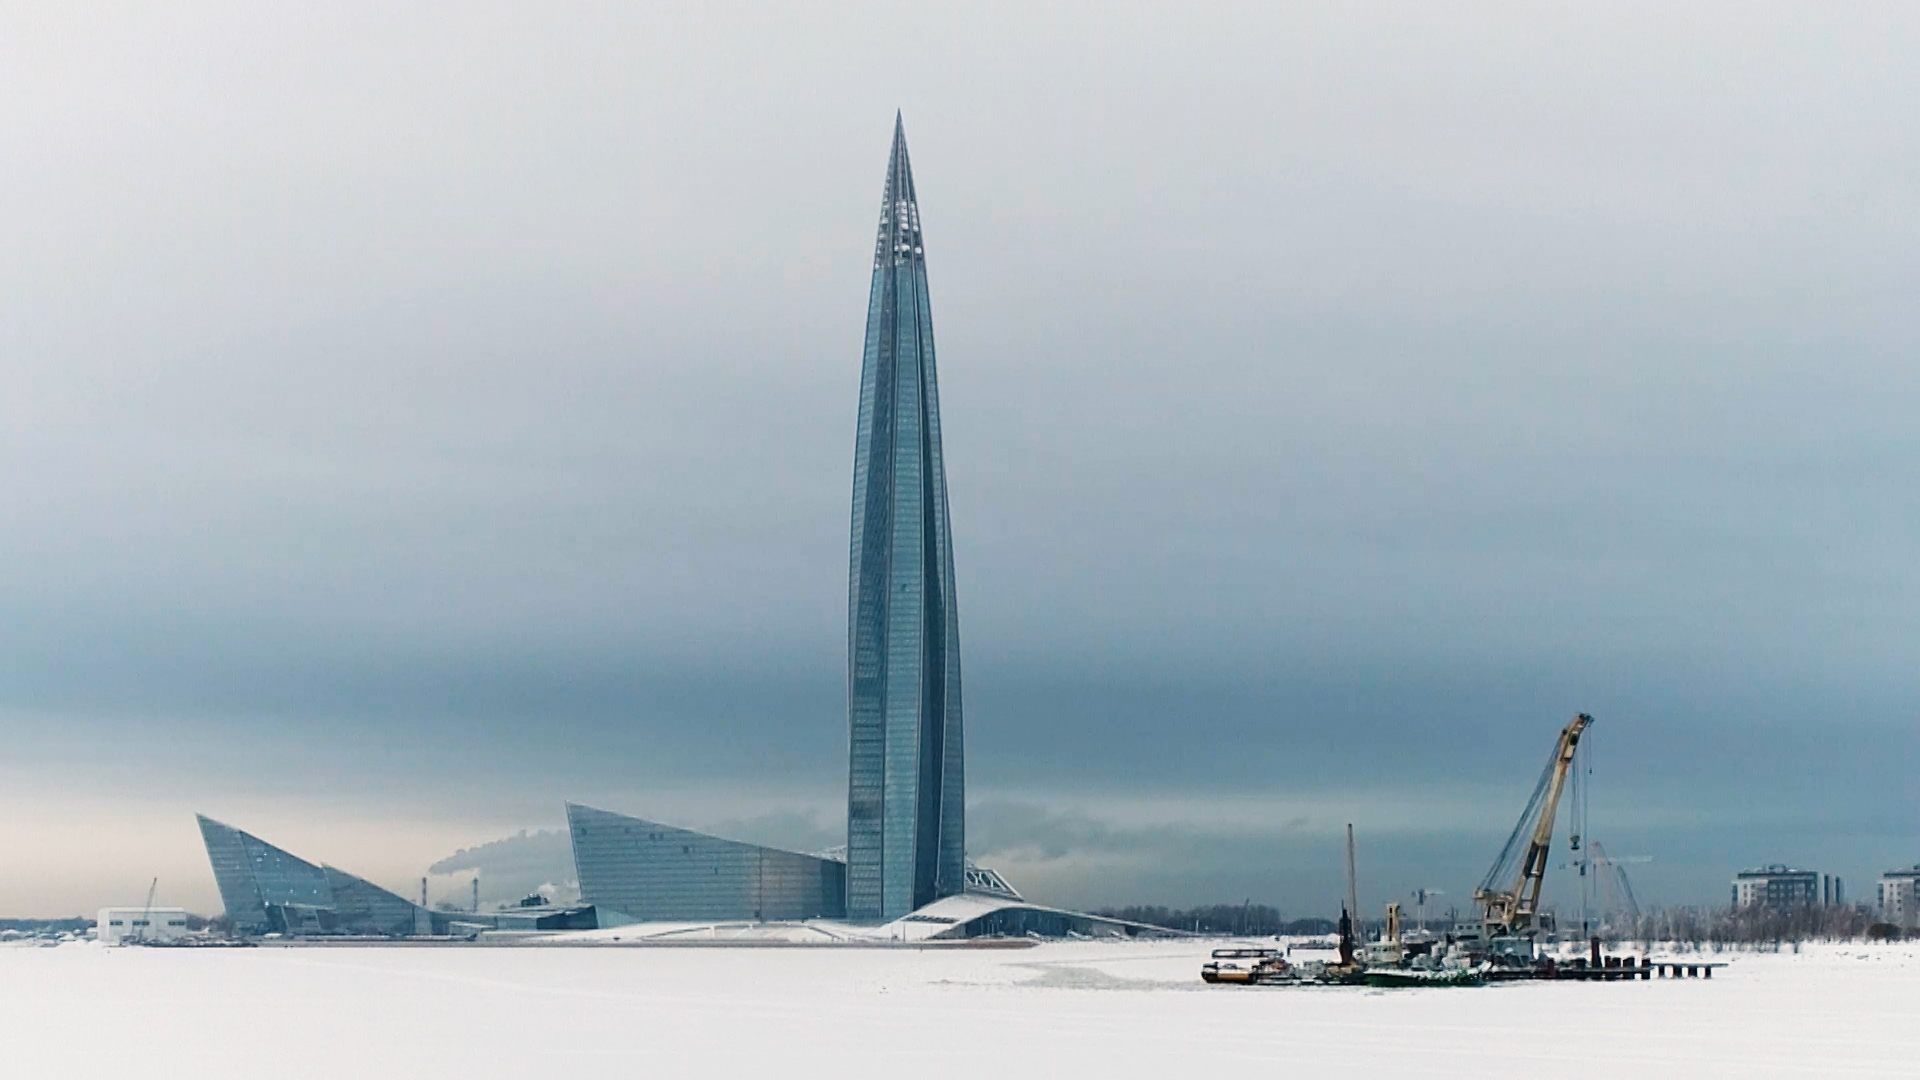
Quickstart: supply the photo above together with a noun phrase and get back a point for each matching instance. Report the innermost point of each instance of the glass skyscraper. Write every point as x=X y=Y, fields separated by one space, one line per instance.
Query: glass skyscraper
x=906 y=796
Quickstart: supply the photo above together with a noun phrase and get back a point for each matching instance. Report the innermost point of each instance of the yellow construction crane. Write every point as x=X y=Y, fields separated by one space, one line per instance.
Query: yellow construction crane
x=1512 y=909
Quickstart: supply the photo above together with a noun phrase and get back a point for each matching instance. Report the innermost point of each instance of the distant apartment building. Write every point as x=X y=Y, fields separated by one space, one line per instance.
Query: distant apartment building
x=1900 y=897
x=1777 y=888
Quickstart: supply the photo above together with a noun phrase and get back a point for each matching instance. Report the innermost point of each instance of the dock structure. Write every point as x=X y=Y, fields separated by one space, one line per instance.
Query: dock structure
x=1670 y=970
x=1613 y=968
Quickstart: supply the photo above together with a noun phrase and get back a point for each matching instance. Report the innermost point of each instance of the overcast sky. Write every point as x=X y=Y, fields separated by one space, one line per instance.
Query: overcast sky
x=415 y=415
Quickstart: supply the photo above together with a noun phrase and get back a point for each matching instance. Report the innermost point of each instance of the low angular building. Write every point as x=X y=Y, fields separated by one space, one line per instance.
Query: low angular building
x=634 y=870
x=269 y=890
x=673 y=881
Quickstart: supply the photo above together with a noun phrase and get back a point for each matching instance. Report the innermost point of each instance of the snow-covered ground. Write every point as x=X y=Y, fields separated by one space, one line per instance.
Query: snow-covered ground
x=1058 y=1010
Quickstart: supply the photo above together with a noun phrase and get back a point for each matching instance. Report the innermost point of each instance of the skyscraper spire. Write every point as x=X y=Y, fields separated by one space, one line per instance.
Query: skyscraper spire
x=906 y=798
x=899 y=210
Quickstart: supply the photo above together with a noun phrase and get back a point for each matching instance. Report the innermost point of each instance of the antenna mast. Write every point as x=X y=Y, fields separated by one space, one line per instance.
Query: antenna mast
x=1353 y=901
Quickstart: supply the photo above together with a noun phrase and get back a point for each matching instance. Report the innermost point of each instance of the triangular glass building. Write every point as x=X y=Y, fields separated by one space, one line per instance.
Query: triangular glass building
x=906 y=796
x=266 y=889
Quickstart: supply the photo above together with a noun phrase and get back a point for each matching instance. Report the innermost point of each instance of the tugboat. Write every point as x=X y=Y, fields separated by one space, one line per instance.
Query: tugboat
x=1395 y=962
x=1443 y=976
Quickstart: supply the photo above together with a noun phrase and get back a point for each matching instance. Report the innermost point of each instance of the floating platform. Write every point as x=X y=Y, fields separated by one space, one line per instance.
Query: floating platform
x=1268 y=967
x=1611 y=969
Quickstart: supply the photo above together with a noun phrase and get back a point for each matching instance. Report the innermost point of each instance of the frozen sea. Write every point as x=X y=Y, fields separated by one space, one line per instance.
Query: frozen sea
x=1058 y=1010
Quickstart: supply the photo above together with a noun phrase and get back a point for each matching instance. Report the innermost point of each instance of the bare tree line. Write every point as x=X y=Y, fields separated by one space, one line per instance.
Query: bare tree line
x=1695 y=928
x=1722 y=928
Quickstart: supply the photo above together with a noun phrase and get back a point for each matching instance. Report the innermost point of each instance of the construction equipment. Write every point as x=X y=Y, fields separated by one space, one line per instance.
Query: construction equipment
x=146 y=914
x=1511 y=909
x=1615 y=892
x=1390 y=950
x=1420 y=898
x=1353 y=888
x=1347 y=967
x=1614 y=885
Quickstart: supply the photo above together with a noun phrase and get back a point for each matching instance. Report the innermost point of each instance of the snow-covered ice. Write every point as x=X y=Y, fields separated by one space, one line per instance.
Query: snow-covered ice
x=1058 y=1010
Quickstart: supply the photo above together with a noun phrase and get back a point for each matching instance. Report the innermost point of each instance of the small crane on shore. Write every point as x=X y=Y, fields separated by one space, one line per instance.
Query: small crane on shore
x=146 y=914
x=1523 y=861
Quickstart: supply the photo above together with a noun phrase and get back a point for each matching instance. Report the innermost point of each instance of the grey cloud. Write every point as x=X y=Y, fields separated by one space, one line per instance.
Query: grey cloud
x=1032 y=833
x=453 y=403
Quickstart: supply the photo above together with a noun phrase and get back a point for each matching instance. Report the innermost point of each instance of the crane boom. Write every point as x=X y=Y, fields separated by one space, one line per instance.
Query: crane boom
x=1613 y=877
x=1512 y=909
x=146 y=913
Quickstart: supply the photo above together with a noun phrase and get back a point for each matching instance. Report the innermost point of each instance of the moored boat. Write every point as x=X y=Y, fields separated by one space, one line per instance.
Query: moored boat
x=1405 y=977
x=1246 y=966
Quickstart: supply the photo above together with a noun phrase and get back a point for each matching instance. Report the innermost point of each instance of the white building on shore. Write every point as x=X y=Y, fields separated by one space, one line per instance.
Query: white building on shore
x=122 y=925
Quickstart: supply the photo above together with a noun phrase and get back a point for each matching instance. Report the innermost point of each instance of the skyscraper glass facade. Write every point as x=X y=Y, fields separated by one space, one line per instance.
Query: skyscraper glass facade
x=906 y=799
